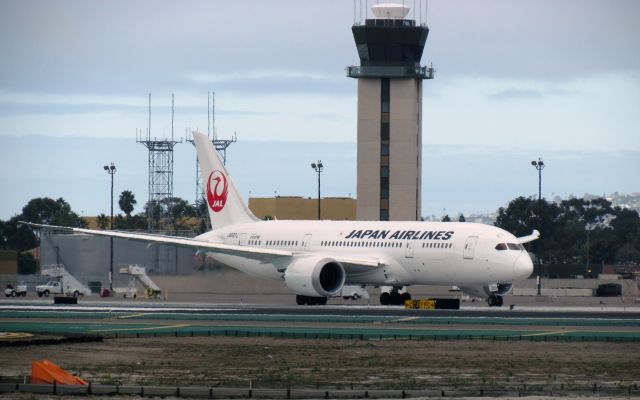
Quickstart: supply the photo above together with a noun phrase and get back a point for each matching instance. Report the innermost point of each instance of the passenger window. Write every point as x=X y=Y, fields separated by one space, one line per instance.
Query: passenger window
x=501 y=246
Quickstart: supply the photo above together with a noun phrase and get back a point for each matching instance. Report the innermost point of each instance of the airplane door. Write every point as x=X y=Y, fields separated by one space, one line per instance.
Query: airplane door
x=469 y=247
x=306 y=241
x=242 y=239
x=408 y=250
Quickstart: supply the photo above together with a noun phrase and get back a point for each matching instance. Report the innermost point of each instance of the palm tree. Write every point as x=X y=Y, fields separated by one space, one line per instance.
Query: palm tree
x=127 y=201
x=103 y=221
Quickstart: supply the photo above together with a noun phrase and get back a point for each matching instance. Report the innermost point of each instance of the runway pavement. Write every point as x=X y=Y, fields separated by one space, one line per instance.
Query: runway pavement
x=111 y=318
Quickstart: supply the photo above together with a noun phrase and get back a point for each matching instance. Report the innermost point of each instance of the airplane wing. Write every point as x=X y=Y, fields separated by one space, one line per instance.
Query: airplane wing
x=351 y=265
x=529 y=238
x=249 y=252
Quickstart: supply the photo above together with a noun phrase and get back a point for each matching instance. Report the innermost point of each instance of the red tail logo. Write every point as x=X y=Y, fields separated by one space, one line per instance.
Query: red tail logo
x=217 y=195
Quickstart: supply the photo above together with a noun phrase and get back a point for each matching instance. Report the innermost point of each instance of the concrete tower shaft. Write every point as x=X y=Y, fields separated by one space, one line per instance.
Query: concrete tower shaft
x=389 y=115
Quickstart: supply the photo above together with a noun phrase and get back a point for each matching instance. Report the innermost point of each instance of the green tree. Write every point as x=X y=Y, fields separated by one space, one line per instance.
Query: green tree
x=461 y=218
x=3 y=235
x=127 y=202
x=43 y=210
x=102 y=221
x=120 y=222
x=16 y=236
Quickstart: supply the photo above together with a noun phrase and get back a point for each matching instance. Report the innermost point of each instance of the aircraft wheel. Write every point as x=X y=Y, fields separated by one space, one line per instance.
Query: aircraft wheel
x=396 y=298
x=405 y=296
x=384 y=298
x=495 y=300
x=301 y=300
x=13 y=294
x=46 y=293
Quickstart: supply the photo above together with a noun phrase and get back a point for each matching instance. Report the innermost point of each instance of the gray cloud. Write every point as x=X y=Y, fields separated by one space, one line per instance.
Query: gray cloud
x=526 y=94
x=127 y=47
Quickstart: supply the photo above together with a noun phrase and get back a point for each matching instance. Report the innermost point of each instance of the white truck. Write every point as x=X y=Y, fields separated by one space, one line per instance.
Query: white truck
x=17 y=290
x=65 y=284
x=353 y=292
x=51 y=287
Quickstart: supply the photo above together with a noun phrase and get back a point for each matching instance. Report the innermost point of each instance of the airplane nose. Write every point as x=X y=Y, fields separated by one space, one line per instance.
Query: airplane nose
x=523 y=266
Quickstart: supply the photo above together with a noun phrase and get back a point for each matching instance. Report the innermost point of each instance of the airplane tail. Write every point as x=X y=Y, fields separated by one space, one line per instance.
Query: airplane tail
x=223 y=201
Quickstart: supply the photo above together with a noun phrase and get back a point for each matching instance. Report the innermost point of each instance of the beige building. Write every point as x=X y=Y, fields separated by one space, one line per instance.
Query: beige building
x=300 y=208
x=8 y=262
x=389 y=117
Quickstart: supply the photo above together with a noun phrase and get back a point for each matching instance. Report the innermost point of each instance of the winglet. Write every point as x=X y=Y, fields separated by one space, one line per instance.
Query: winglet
x=529 y=238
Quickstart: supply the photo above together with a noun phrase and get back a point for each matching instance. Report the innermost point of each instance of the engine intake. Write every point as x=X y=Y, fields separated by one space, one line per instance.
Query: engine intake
x=315 y=276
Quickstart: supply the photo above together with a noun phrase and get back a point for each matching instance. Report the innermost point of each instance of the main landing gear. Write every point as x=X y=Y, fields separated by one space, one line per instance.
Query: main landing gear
x=495 y=300
x=394 y=298
x=311 y=301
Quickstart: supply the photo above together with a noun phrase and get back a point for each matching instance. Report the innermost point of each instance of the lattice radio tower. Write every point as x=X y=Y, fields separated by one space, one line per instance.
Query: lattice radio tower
x=221 y=145
x=159 y=218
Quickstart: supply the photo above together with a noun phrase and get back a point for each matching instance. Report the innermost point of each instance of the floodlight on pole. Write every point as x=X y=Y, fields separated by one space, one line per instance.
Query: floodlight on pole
x=111 y=170
x=318 y=167
x=539 y=165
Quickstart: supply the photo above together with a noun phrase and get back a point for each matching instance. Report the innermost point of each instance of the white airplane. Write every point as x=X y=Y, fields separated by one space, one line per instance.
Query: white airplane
x=315 y=259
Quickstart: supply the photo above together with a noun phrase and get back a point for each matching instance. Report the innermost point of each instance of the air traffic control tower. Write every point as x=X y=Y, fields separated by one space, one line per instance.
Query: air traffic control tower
x=389 y=114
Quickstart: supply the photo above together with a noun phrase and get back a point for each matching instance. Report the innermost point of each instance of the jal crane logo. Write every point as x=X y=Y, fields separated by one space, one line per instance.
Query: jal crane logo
x=217 y=189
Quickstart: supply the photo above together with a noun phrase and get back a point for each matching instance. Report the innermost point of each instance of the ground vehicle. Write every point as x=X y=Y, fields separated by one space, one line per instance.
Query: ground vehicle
x=56 y=287
x=18 y=290
x=353 y=292
x=63 y=283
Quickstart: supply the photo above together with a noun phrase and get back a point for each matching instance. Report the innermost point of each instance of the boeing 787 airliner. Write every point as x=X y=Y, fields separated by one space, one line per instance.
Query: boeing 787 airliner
x=315 y=259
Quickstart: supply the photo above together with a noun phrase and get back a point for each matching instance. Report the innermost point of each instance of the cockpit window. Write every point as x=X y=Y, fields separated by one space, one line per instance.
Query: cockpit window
x=509 y=246
x=514 y=246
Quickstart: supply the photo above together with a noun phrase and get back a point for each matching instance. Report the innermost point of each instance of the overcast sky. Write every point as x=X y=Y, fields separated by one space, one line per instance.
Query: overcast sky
x=533 y=76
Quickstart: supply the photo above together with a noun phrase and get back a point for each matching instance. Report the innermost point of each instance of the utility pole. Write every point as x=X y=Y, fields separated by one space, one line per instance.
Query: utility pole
x=111 y=170
x=318 y=168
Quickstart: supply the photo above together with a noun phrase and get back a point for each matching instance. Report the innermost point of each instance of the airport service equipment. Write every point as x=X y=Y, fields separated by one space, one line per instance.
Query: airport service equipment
x=353 y=292
x=64 y=283
x=140 y=274
x=13 y=291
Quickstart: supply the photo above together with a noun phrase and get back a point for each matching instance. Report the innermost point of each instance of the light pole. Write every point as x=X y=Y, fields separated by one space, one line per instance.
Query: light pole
x=111 y=170
x=539 y=165
x=318 y=167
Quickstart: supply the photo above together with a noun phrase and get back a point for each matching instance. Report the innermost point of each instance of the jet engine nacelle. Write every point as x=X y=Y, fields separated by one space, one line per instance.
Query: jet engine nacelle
x=499 y=289
x=315 y=276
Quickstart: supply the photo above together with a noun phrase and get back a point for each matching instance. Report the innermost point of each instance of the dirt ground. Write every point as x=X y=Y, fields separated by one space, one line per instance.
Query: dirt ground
x=338 y=364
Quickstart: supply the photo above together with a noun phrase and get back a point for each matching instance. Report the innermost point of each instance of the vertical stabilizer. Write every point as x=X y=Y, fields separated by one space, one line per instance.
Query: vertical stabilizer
x=223 y=201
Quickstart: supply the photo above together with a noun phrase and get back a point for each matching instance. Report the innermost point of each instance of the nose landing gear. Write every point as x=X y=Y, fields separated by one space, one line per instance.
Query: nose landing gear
x=495 y=300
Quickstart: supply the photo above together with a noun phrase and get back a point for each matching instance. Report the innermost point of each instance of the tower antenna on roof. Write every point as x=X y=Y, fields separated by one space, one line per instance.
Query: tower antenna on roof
x=149 y=126
x=172 y=112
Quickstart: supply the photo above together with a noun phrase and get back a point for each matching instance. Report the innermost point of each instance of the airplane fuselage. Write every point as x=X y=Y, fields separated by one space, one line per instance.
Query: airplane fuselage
x=409 y=252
